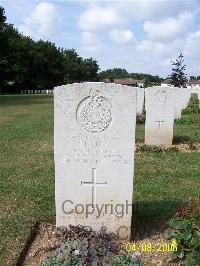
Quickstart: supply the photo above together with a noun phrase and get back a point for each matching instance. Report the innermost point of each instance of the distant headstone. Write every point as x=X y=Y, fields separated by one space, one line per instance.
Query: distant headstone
x=159 y=106
x=140 y=100
x=94 y=139
x=189 y=93
x=198 y=93
x=179 y=102
x=182 y=98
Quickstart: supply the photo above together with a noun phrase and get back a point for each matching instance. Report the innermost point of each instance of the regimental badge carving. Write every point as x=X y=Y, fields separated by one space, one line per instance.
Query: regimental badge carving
x=94 y=113
x=161 y=97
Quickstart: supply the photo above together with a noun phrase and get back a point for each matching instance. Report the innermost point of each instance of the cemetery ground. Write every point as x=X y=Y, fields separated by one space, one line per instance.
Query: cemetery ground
x=163 y=178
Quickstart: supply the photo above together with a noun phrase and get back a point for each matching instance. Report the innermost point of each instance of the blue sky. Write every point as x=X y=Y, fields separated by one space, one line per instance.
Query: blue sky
x=141 y=36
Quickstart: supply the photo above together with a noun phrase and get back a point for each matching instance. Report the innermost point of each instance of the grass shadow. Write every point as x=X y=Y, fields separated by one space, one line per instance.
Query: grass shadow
x=15 y=100
x=150 y=218
x=181 y=139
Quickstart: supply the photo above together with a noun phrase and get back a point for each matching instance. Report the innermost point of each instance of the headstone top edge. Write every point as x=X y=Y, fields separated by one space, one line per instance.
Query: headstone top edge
x=160 y=87
x=93 y=83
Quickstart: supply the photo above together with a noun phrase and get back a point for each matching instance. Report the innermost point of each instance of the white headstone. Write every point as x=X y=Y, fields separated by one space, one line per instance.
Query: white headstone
x=179 y=102
x=189 y=93
x=94 y=139
x=198 y=93
x=140 y=100
x=182 y=98
x=159 y=106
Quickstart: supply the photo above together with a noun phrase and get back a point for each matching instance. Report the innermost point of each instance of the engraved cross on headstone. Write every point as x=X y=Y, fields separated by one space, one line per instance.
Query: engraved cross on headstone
x=160 y=121
x=93 y=184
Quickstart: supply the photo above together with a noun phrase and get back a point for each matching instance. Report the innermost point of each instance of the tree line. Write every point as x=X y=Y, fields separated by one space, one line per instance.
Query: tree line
x=26 y=64
x=194 y=77
x=29 y=64
x=120 y=73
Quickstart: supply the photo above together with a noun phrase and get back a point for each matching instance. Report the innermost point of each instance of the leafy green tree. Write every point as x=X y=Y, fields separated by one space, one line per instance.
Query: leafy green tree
x=90 y=70
x=178 y=76
x=150 y=82
x=72 y=62
x=2 y=17
x=21 y=57
x=7 y=61
x=48 y=65
x=118 y=73
x=115 y=73
x=27 y=64
x=3 y=47
x=140 y=76
x=78 y=69
x=149 y=79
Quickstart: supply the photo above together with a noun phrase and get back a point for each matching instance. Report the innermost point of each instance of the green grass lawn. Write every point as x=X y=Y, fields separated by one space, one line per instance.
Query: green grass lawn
x=27 y=171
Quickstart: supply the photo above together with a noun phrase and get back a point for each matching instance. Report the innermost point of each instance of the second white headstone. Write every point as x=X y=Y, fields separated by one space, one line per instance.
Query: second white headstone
x=159 y=106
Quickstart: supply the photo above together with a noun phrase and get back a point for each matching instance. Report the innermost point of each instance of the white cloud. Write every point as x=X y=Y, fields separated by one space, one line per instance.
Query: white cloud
x=150 y=32
x=168 y=29
x=121 y=36
x=160 y=48
x=166 y=25
x=154 y=9
x=90 y=42
x=96 y=18
x=167 y=62
x=191 y=53
x=192 y=45
x=42 y=22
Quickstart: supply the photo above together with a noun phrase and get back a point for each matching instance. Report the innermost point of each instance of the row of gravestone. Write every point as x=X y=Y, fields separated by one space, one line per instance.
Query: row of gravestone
x=36 y=91
x=162 y=106
x=94 y=145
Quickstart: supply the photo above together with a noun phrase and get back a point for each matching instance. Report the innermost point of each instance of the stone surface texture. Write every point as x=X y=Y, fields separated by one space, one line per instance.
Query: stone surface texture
x=94 y=143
